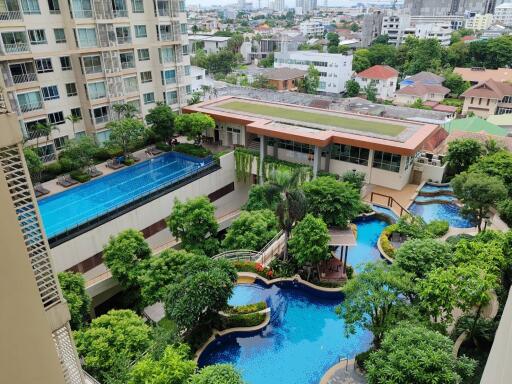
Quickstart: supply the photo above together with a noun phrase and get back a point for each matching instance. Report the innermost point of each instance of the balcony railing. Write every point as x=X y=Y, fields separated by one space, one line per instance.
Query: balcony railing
x=25 y=78
x=11 y=15
x=93 y=69
x=101 y=119
x=128 y=64
x=31 y=106
x=49 y=157
x=17 y=47
x=120 y=13
x=167 y=36
x=124 y=40
x=82 y=14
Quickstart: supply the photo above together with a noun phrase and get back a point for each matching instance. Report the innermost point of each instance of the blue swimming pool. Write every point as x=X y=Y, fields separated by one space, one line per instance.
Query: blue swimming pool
x=435 y=198
x=368 y=232
x=431 y=188
x=303 y=340
x=441 y=211
x=66 y=210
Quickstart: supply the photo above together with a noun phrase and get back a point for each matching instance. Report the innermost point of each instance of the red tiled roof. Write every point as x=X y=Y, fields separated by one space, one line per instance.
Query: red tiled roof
x=422 y=89
x=445 y=108
x=489 y=89
x=381 y=72
x=468 y=38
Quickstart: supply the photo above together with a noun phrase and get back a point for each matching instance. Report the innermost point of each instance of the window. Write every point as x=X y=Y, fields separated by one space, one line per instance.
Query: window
x=140 y=31
x=188 y=89
x=187 y=70
x=185 y=50
x=168 y=77
x=44 y=65
x=54 y=6
x=182 y=5
x=350 y=154
x=96 y=90
x=171 y=97
x=71 y=89
x=65 y=63
x=386 y=161
x=81 y=9
x=30 y=127
x=137 y=6
x=146 y=77
x=123 y=35
x=86 y=37
x=76 y=112
x=100 y=115
x=143 y=54
x=127 y=60
x=130 y=84
x=103 y=136
x=183 y=29
x=30 y=7
x=60 y=142
x=92 y=64
x=37 y=36
x=166 y=55
x=29 y=101
x=50 y=93
x=60 y=36
x=149 y=98
x=56 y=118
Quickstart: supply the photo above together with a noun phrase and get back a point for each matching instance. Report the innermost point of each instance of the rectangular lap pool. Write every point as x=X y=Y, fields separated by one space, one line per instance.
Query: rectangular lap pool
x=69 y=209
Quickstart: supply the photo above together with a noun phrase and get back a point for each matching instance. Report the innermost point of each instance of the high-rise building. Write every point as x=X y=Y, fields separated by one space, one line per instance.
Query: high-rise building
x=37 y=345
x=503 y=14
x=81 y=57
x=450 y=7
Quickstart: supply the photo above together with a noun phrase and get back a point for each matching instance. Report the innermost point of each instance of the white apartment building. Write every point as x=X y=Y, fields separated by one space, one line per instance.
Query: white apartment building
x=441 y=32
x=479 y=22
x=503 y=14
x=81 y=57
x=278 y=5
x=335 y=69
x=313 y=27
x=198 y=76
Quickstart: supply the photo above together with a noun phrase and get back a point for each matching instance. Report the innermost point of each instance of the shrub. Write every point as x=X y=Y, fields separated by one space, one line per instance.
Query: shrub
x=192 y=150
x=129 y=161
x=247 y=320
x=453 y=240
x=163 y=146
x=54 y=169
x=362 y=357
x=67 y=165
x=505 y=211
x=102 y=154
x=438 y=228
x=250 y=266
x=385 y=244
x=80 y=176
x=354 y=178
x=350 y=272
x=245 y=309
x=282 y=268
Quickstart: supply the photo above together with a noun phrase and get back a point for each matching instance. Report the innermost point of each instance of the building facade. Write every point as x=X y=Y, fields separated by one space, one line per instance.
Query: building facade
x=335 y=69
x=488 y=98
x=450 y=7
x=479 y=22
x=503 y=14
x=382 y=77
x=82 y=57
x=312 y=28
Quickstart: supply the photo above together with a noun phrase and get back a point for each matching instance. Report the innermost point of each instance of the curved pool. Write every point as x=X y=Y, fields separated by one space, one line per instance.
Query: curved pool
x=302 y=341
x=368 y=231
x=441 y=211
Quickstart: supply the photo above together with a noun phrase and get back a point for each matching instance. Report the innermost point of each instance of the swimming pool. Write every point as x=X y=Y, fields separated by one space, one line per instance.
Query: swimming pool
x=433 y=198
x=66 y=210
x=431 y=188
x=366 y=251
x=441 y=211
x=302 y=341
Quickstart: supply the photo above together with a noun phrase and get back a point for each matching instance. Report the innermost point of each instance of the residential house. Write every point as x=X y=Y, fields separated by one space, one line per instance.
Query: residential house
x=477 y=75
x=284 y=79
x=425 y=92
x=488 y=98
x=383 y=77
x=424 y=77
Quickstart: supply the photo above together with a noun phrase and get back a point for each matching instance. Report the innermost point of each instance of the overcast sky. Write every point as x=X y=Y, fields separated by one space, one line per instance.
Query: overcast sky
x=289 y=3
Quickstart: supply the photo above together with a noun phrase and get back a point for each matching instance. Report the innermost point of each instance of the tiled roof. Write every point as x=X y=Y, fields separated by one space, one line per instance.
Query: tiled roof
x=422 y=89
x=478 y=75
x=475 y=125
x=381 y=72
x=489 y=89
x=426 y=78
x=283 y=73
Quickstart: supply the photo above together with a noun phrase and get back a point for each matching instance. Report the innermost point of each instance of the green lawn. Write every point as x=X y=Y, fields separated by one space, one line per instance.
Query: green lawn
x=314 y=117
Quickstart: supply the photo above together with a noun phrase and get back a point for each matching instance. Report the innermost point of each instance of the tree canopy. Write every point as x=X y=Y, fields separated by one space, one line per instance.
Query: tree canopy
x=79 y=301
x=311 y=81
x=352 y=88
x=161 y=119
x=126 y=133
x=217 y=374
x=251 y=230
x=309 y=242
x=194 y=125
x=462 y=153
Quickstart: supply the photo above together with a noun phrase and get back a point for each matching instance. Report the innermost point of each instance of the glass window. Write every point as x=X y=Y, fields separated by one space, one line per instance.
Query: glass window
x=92 y=64
x=183 y=29
x=149 y=98
x=182 y=5
x=56 y=118
x=81 y=8
x=146 y=77
x=387 y=161
x=76 y=112
x=185 y=49
x=53 y=6
x=65 y=63
x=100 y=115
x=143 y=54
x=350 y=154
x=127 y=60
x=171 y=97
x=123 y=35
x=187 y=70
x=44 y=65
x=71 y=89
x=103 y=136
x=86 y=37
x=96 y=90
x=37 y=36
x=167 y=55
x=130 y=84
x=29 y=101
x=60 y=142
x=168 y=77
x=188 y=89
x=140 y=31
x=50 y=92
x=137 y=6
x=60 y=35
x=30 y=7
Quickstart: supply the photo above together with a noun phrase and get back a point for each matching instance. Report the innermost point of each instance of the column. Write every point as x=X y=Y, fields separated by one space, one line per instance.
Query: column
x=316 y=161
x=262 y=157
x=327 y=158
x=275 y=149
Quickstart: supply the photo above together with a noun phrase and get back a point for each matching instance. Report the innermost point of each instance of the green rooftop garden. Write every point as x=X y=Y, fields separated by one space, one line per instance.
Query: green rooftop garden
x=314 y=117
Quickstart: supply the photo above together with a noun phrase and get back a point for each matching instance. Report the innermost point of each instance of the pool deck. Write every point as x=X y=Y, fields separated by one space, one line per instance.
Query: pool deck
x=344 y=372
x=404 y=197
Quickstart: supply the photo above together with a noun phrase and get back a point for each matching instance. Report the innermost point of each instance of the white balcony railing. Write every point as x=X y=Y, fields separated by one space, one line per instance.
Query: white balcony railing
x=82 y=13
x=25 y=78
x=49 y=157
x=17 y=47
x=93 y=69
x=128 y=64
x=31 y=106
x=10 y=15
x=120 y=13
x=101 y=119
x=124 y=40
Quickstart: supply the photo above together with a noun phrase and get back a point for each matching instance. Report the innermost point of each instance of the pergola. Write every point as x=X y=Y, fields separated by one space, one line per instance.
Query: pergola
x=341 y=239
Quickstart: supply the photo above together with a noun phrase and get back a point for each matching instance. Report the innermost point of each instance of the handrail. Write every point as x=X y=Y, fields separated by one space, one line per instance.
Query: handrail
x=390 y=202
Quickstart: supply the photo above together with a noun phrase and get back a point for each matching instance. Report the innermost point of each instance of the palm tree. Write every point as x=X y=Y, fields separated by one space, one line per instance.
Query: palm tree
x=73 y=119
x=206 y=89
x=119 y=109
x=291 y=206
x=130 y=110
x=44 y=129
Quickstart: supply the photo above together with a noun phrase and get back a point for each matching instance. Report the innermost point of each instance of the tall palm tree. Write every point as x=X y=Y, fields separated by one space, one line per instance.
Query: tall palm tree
x=73 y=119
x=119 y=109
x=291 y=206
x=44 y=130
x=130 y=110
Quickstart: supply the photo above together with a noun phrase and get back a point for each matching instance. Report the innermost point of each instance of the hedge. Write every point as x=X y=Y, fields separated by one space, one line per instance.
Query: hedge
x=247 y=320
x=245 y=309
x=192 y=150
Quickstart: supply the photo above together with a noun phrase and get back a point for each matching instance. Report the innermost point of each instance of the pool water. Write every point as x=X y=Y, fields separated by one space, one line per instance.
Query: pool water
x=435 y=198
x=75 y=206
x=441 y=211
x=435 y=188
x=302 y=341
x=385 y=211
x=366 y=251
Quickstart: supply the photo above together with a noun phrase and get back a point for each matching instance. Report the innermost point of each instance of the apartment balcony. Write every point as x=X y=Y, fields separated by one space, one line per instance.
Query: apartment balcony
x=93 y=69
x=128 y=65
x=19 y=47
x=11 y=15
x=82 y=13
x=124 y=40
x=99 y=120
x=24 y=78
x=120 y=13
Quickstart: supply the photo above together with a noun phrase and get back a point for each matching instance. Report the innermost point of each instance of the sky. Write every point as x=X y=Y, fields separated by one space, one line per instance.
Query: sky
x=289 y=3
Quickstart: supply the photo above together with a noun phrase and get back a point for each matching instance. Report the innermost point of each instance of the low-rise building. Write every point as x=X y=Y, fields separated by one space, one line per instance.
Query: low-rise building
x=284 y=79
x=479 y=22
x=503 y=14
x=423 y=77
x=383 y=77
x=477 y=75
x=488 y=98
x=425 y=92
x=335 y=69
x=199 y=79
x=312 y=28
x=210 y=44
x=495 y=31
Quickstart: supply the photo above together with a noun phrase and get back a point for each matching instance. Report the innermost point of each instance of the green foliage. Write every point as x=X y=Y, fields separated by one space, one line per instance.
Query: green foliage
x=374 y=299
x=34 y=164
x=223 y=62
x=80 y=175
x=336 y=202
x=370 y=91
x=163 y=335
x=309 y=243
x=243 y=320
x=414 y=354
x=412 y=227
x=418 y=104
x=505 y=211
x=251 y=266
x=81 y=151
x=311 y=81
x=462 y=153
x=174 y=367
x=381 y=39
x=438 y=228
x=193 y=222
x=161 y=120
x=125 y=255
x=479 y=193
x=116 y=337
x=455 y=83
x=354 y=178
x=192 y=150
x=382 y=54
x=126 y=133
x=245 y=309
x=421 y=55
x=284 y=268
x=498 y=164
x=267 y=62
x=193 y=125
x=385 y=243
x=352 y=88
x=420 y=256
x=259 y=198
x=360 y=61
x=79 y=301
x=251 y=230
x=217 y=374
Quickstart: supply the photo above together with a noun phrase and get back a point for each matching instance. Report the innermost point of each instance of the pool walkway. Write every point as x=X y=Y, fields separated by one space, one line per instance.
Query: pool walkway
x=403 y=197
x=344 y=372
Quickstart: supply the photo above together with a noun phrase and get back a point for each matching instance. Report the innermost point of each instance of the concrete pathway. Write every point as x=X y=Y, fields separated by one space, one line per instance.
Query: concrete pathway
x=343 y=373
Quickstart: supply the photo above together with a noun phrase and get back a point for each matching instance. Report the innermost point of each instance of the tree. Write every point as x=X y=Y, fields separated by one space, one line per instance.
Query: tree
x=455 y=83
x=235 y=42
x=382 y=54
x=360 y=60
x=193 y=223
x=195 y=98
x=34 y=164
x=374 y=299
x=161 y=120
x=381 y=39
x=336 y=202
x=309 y=243
x=119 y=335
x=74 y=119
x=43 y=130
x=195 y=29
x=79 y=301
x=418 y=104
x=217 y=374
x=267 y=62
x=420 y=256
x=354 y=178
x=462 y=153
x=126 y=133
x=414 y=354
x=174 y=367
x=124 y=254
x=198 y=298
x=80 y=151
x=311 y=81
x=354 y=27
x=261 y=81
x=499 y=52
x=333 y=40
x=259 y=196
x=422 y=55
x=479 y=193
x=352 y=88
x=498 y=164
x=370 y=92
x=251 y=230
x=194 y=125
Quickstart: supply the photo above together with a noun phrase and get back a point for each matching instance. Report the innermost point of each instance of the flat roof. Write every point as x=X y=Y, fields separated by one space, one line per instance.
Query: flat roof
x=318 y=126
